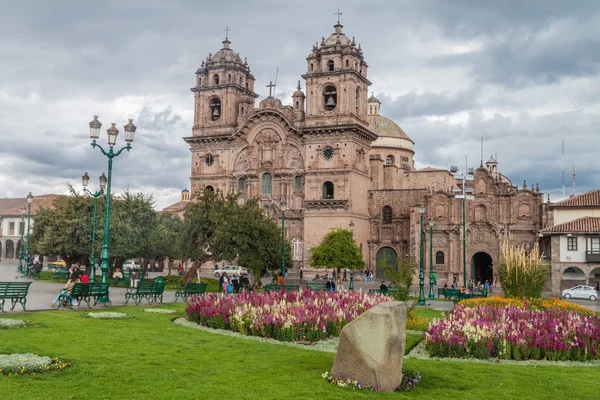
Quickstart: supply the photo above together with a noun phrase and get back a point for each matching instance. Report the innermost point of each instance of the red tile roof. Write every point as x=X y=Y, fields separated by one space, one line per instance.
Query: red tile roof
x=581 y=225
x=589 y=199
x=12 y=207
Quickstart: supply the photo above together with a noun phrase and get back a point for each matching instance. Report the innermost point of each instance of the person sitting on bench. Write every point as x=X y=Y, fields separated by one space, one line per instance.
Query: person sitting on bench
x=117 y=276
x=67 y=289
x=383 y=287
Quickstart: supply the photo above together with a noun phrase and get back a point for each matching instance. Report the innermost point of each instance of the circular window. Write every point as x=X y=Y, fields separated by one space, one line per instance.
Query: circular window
x=328 y=152
x=209 y=159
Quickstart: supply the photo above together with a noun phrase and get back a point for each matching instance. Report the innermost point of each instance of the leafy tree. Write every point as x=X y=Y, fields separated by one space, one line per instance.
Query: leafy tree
x=337 y=250
x=165 y=238
x=400 y=276
x=245 y=233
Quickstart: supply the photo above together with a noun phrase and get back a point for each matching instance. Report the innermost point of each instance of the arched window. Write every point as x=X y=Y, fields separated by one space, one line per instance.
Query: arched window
x=215 y=108
x=328 y=190
x=386 y=215
x=199 y=81
x=210 y=188
x=246 y=85
x=330 y=97
x=389 y=160
x=229 y=78
x=241 y=80
x=357 y=99
x=330 y=65
x=241 y=184
x=266 y=183
x=312 y=67
x=297 y=105
x=439 y=257
x=216 y=79
x=298 y=182
x=347 y=63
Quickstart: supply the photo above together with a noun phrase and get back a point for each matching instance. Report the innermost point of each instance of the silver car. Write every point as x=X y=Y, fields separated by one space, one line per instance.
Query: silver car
x=580 y=292
x=230 y=269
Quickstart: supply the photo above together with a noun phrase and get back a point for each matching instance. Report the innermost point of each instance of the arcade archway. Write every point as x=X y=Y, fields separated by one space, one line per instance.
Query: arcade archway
x=386 y=256
x=483 y=268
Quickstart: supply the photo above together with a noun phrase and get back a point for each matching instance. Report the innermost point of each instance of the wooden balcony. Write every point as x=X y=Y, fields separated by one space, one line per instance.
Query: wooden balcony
x=592 y=256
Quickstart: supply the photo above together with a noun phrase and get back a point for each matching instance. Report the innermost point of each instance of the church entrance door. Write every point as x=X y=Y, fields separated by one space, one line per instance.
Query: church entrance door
x=386 y=256
x=482 y=267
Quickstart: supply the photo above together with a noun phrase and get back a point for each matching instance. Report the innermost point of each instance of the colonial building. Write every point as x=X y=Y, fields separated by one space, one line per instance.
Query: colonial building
x=11 y=227
x=330 y=159
x=574 y=241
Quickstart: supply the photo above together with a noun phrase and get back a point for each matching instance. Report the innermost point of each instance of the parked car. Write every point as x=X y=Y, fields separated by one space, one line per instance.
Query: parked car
x=131 y=264
x=580 y=292
x=230 y=269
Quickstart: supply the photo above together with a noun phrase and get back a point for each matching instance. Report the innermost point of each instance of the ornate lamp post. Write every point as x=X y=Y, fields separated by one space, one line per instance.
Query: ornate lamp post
x=85 y=180
x=29 y=201
x=283 y=209
x=112 y=132
x=431 y=280
x=351 y=287
x=464 y=194
x=421 y=301
x=22 y=229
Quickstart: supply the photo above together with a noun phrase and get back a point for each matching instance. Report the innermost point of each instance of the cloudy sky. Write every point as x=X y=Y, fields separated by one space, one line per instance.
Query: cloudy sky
x=521 y=74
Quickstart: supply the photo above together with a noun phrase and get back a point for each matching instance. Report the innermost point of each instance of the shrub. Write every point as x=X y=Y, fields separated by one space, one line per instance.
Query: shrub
x=522 y=273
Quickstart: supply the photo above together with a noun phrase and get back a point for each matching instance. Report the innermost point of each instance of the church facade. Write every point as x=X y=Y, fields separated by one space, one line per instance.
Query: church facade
x=330 y=159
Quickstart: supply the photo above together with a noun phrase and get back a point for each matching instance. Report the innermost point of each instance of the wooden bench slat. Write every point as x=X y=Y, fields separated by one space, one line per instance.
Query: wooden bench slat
x=16 y=292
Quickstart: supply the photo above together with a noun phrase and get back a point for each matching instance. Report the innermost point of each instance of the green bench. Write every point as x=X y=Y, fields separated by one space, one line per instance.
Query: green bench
x=463 y=296
x=448 y=293
x=86 y=292
x=127 y=278
x=276 y=288
x=62 y=273
x=391 y=291
x=191 y=289
x=151 y=290
x=317 y=286
x=16 y=292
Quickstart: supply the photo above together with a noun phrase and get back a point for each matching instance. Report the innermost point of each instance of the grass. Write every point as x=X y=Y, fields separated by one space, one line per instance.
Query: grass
x=149 y=357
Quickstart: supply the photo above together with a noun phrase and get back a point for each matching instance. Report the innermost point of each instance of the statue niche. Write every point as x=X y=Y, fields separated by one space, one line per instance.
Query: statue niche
x=267 y=142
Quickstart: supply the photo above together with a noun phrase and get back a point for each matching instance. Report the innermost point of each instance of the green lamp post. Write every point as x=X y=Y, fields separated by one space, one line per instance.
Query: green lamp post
x=431 y=280
x=464 y=193
x=22 y=229
x=351 y=287
x=421 y=301
x=29 y=201
x=112 y=132
x=85 y=179
x=283 y=209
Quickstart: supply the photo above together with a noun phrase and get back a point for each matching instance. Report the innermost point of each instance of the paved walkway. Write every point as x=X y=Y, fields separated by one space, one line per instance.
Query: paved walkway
x=42 y=294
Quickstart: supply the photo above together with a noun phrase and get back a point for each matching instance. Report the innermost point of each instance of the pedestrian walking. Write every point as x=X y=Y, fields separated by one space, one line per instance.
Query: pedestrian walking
x=345 y=276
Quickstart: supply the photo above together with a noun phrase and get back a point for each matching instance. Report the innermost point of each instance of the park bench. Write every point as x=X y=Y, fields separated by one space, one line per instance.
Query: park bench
x=391 y=291
x=288 y=288
x=317 y=286
x=191 y=289
x=448 y=293
x=151 y=290
x=62 y=273
x=463 y=296
x=86 y=292
x=16 y=292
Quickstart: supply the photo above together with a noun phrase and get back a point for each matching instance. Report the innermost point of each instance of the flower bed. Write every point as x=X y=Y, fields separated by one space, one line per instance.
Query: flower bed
x=306 y=316
x=519 y=330
x=29 y=364
x=8 y=323
x=106 y=315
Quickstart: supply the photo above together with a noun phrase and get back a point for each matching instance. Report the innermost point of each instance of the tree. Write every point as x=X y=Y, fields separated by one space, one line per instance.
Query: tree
x=245 y=233
x=165 y=238
x=400 y=275
x=337 y=250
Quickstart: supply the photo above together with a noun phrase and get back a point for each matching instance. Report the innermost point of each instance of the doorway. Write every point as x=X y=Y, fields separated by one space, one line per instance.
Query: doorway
x=482 y=268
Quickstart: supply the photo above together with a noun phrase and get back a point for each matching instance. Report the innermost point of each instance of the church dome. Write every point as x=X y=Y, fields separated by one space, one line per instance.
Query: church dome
x=383 y=126
x=226 y=54
x=390 y=134
x=337 y=38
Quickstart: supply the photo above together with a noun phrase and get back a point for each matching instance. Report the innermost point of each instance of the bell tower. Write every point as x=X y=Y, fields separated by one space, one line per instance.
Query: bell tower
x=224 y=92
x=336 y=81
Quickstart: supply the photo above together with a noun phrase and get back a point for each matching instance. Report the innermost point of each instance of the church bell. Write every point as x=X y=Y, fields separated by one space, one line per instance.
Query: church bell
x=330 y=101
x=216 y=112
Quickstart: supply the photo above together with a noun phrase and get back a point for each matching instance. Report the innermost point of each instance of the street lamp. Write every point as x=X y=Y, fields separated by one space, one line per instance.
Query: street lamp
x=22 y=229
x=422 y=261
x=112 y=132
x=85 y=180
x=283 y=209
x=351 y=287
x=431 y=280
x=464 y=194
x=29 y=201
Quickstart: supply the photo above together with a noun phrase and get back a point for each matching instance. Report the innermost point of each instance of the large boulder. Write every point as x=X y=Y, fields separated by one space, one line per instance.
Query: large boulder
x=371 y=347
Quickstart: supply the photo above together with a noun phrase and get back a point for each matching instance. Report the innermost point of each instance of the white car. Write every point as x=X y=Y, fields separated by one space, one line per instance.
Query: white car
x=131 y=264
x=580 y=292
x=230 y=270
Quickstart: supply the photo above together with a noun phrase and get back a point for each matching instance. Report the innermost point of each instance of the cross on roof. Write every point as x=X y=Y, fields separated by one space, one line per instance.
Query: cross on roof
x=226 y=30
x=270 y=86
x=338 y=13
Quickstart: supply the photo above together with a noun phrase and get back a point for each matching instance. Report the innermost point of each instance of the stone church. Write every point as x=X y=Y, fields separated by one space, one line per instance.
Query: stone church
x=330 y=159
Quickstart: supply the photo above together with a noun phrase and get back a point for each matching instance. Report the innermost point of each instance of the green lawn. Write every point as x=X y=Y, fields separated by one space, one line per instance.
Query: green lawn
x=149 y=357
